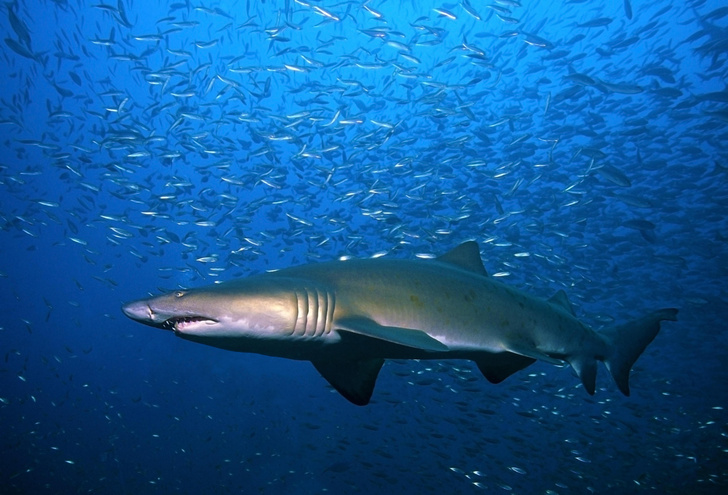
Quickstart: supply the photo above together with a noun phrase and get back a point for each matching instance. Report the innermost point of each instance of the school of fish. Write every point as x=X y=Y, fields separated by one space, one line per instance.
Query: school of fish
x=168 y=145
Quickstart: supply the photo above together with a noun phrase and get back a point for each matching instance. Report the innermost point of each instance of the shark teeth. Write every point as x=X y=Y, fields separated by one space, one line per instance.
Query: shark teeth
x=179 y=323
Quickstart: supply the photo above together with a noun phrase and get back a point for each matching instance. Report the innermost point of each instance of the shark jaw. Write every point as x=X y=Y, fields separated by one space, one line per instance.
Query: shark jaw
x=144 y=313
x=183 y=324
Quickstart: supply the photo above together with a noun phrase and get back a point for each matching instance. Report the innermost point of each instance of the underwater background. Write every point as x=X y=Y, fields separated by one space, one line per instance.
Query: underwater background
x=148 y=145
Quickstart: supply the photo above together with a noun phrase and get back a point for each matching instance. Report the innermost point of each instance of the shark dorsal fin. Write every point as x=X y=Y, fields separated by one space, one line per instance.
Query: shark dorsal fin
x=465 y=256
x=562 y=301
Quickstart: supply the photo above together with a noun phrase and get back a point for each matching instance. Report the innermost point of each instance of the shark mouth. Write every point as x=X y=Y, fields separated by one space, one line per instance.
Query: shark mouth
x=180 y=323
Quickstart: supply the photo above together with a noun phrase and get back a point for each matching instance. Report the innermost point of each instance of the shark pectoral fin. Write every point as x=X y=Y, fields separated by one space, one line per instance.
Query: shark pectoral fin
x=403 y=336
x=498 y=367
x=353 y=379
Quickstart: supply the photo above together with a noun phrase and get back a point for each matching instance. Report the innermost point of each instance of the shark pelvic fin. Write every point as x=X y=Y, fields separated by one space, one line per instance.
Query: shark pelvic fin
x=397 y=335
x=352 y=379
x=465 y=256
x=498 y=367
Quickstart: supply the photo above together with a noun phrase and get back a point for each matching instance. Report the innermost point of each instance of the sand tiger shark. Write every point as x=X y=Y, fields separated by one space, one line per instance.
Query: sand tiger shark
x=347 y=317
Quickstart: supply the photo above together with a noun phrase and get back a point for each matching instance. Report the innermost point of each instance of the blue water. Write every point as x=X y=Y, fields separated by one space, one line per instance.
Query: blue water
x=148 y=146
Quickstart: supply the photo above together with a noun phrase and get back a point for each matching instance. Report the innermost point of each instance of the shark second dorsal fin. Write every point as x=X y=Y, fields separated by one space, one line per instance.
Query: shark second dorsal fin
x=465 y=256
x=353 y=379
x=562 y=301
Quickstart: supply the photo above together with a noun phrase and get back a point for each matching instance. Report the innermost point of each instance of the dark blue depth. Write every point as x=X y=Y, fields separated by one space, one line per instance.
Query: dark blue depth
x=148 y=146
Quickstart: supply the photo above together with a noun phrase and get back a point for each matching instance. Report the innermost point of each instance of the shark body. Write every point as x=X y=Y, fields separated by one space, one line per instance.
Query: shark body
x=347 y=317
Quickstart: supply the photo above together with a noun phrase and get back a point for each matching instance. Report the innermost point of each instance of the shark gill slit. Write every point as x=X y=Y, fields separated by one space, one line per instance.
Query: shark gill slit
x=299 y=327
x=311 y=315
x=329 y=315
x=315 y=312
x=320 y=312
x=325 y=312
x=319 y=308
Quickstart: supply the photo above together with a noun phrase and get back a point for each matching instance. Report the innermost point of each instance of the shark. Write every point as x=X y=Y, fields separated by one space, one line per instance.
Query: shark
x=348 y=316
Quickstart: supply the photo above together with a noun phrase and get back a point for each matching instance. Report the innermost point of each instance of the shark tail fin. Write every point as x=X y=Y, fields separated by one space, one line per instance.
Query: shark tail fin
x=627 y=342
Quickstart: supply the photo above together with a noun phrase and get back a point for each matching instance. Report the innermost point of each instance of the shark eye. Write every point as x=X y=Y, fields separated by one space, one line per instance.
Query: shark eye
x=179 y=293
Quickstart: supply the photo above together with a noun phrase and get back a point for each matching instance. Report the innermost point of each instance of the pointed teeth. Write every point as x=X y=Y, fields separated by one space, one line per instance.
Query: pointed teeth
x=179 y=322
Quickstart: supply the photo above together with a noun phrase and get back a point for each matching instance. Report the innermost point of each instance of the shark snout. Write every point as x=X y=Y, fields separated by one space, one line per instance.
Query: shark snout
x=168 y=317
x=139 y=311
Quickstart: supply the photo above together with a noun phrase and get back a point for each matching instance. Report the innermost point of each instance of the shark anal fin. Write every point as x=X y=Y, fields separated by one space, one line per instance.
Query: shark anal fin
x=586 y=369
x=352 y=379
x=403 y=336
x=498 y=367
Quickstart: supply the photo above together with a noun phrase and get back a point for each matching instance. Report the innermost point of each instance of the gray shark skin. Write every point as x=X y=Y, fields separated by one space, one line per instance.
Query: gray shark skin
x=347 y=317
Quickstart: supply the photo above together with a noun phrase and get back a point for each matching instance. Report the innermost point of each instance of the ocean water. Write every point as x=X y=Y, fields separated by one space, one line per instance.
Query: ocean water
x=151 y=146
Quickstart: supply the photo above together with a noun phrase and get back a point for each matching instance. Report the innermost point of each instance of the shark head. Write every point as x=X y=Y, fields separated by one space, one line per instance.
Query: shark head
x=236 y=310
x=182 y=311
x=238 y=315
